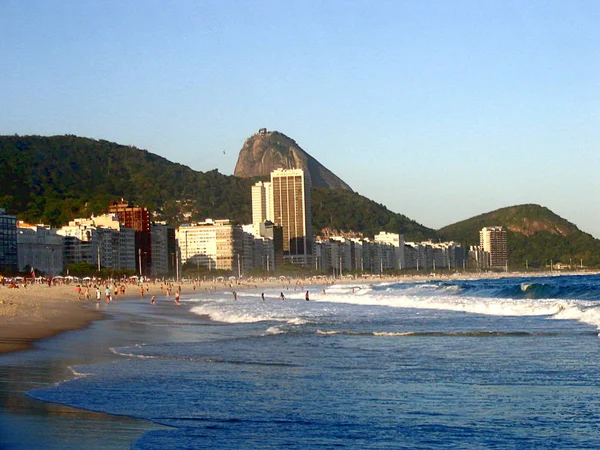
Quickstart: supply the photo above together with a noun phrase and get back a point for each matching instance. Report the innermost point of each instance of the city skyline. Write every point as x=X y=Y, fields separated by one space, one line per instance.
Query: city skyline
x=439 y=111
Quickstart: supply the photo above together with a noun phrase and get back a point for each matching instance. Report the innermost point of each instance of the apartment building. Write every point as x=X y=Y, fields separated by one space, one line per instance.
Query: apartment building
x=493 y=241
x=215 y=244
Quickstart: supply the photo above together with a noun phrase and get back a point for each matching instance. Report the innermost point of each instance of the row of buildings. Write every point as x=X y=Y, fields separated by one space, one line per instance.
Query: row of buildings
x=122 y=240
x=280 y=233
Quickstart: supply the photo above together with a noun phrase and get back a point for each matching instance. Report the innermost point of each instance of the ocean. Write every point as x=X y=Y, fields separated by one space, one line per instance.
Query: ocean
x=490 y=363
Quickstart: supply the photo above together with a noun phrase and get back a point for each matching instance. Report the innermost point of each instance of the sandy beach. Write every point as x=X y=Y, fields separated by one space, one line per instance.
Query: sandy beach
x=38 y=311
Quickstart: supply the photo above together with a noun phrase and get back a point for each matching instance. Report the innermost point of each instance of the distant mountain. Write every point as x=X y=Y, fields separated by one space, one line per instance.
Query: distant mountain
x=536 y=236
x=269 y=150
x=55 y=179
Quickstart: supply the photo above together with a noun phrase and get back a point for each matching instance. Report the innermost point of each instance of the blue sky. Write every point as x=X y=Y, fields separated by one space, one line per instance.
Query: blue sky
x=441 y=110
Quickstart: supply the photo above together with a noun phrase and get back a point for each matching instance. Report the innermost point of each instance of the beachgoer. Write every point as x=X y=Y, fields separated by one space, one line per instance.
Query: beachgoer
x=153 y=299
x=281 y=296
x=262 y=296
x=177 y=298
x=107 y=295
x=234 y=296
x=97 y=294
x=306 y=296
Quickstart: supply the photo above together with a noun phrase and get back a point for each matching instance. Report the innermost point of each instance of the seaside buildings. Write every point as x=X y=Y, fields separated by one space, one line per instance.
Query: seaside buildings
x=8 y=243
x=215 y=244
x=138 y=219
x=41 y=248
x=262 y=205
x=493 y=243
x=164 y=249
x=102 y=241
x=292 y=211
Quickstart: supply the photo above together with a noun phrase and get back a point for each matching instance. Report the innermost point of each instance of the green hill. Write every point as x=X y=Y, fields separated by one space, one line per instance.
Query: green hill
x=535 y=236
x=54 y=179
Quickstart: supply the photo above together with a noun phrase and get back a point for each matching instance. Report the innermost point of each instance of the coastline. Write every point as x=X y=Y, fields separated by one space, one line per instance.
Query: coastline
x=38 y=312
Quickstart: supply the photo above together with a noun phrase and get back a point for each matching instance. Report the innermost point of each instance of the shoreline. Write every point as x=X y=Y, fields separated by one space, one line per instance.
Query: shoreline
x=38 y=312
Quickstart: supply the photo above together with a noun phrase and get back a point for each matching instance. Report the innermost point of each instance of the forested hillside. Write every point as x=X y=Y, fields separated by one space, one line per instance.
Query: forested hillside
x=536 y=236
x=54 y=179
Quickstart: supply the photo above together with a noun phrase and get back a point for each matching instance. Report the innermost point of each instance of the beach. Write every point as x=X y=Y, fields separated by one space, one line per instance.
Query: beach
x=39 y=311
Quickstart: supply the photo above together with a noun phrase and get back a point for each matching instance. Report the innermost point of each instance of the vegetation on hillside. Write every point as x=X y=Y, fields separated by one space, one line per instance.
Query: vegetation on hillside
x=536 y=237
x=344 y=210
x=55 y=179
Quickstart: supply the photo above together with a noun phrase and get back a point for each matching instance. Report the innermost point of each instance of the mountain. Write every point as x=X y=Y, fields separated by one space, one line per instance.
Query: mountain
x=269 y=150
x=55 y=179
x=535 y=236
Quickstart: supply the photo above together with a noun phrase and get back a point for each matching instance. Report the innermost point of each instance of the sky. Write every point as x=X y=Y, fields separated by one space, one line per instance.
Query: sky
x=440 y=110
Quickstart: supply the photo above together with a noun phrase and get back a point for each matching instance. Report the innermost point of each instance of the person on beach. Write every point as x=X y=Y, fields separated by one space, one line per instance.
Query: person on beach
x=107 y=295
x=142 y=291
x=97 y=294
x=306 y=296
x=87 y=292
x=153 y=299
x=281 y=296
x=234 y=296
x=262 y=296
x=177 y=298
x=78 y=290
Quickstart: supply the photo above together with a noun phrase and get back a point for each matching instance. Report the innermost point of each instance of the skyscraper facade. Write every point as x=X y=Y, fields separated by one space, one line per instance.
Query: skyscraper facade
x=292 y=211
x=493 y=242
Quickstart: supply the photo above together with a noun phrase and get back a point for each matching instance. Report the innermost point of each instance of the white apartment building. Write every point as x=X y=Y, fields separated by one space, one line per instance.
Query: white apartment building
x=102 y=241
x=262 y=205
x=215 y=244
x=397 y=241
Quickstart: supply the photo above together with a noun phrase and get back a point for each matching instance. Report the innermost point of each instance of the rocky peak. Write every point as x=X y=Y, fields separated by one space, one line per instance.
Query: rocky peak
x=266 y=151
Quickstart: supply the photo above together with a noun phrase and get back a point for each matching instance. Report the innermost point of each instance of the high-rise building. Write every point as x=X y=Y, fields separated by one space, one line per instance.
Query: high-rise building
x=8 y=243
x=137 y=218
x=292 y=211
x=262 y=205
x=493 y=242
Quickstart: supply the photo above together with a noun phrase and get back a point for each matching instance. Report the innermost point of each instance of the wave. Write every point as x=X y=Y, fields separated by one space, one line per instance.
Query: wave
x=476 y=333
x=583 y=287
